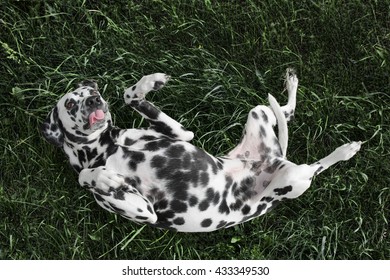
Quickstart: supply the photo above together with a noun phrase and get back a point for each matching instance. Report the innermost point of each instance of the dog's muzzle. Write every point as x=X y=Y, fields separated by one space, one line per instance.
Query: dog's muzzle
x=95 y=106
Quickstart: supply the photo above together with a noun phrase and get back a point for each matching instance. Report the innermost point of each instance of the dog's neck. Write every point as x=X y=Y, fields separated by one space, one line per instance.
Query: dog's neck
x=78 y=150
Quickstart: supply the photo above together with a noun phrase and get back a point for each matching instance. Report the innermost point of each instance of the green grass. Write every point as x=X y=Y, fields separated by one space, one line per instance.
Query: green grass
x=225 y=58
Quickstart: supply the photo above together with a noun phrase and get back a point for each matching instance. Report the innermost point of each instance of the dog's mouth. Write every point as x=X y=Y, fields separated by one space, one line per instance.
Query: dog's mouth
x=96 y=117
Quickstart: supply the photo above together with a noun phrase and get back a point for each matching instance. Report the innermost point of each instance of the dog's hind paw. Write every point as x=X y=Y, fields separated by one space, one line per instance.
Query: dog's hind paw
x=347 y=151
x=291 y=79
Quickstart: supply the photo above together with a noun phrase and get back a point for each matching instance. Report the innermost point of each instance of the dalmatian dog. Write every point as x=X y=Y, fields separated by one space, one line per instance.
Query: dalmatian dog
x=155 y=176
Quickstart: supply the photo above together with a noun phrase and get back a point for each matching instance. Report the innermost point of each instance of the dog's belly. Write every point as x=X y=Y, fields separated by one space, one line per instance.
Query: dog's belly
x=190 y=189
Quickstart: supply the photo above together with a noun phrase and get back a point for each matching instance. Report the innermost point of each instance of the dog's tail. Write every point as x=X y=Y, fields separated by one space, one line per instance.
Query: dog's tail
x=282 y=124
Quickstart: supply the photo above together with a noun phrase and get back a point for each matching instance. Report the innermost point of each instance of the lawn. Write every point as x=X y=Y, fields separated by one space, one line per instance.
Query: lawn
x=224 y=57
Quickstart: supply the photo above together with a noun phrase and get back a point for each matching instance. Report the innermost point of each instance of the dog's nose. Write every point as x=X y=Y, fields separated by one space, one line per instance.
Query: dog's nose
x=93 y=101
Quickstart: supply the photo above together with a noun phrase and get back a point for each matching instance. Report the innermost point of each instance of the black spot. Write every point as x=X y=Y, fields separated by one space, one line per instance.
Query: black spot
x=163 y=216
x=216 y=199
x=274 y=204
x=133 y=88
x=91 y=153
x=210 y=194
x=135 y=157
x=263 y=149
x=152 y=146
x=220 y=165
x=148 y=110
x=267 y=199
x=283 y=191
x=53 y=126
x=225 y=193
x=246 y=209
x=193 y=177
x=129 y=142
x=202 y=160
x=98 y=197
x=175 y=151
x=174 y=164
x=234 y=189
x=106 y=139
x=132 y=181
x=255 y=115
x=77 y=167
x=161 y=205
x=142 y=218
x=148 y=137
x=318 y=170
x=157 y=144
x=186 y=161
x=179 y=221
x=260 y=209
x=237 y=205
x=206 y=223
x=149 y=209
x=102 y=192
x=264 y=116
x=223 y=207
x=278 y=149
x=193 y=201
x=119 y=194
x=178 y=206
x=204 y=178
x=263 y=132
x=116 y=209
x=158 y=162
x=163 y=128
x=179 y=189
x=158 y=85
x=272 y=168
x=230 y=224
x=229 y=182
x=221 y=224
x=164 y=143
x=81 y=156
x=246 y=189
x=204 y=205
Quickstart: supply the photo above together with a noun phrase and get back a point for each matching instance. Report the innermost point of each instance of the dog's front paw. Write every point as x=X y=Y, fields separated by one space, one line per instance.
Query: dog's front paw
x=101 y=179
x=158 y=80
x=147 y=83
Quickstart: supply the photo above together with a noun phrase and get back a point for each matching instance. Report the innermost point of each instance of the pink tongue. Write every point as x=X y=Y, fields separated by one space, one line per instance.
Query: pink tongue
x=96 y=116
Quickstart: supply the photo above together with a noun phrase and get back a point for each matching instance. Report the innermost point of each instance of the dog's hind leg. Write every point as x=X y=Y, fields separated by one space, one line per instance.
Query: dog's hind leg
x=293 y=180
x=159 y=121
x=259 y=140
x=342 y=153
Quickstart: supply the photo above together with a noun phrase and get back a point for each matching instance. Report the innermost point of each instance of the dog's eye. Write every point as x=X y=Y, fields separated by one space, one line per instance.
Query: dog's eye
x=94 y=92
x=70 y=104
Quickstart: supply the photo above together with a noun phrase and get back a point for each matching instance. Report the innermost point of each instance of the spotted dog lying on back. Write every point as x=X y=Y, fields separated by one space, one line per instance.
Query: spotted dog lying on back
x=155 y=176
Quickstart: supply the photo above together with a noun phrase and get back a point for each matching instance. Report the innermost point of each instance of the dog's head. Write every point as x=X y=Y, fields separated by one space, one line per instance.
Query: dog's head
x=77 y=115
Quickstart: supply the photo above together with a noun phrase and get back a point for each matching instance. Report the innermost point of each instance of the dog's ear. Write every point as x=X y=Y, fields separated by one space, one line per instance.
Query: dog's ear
x=89 y=83
x=51 y=130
